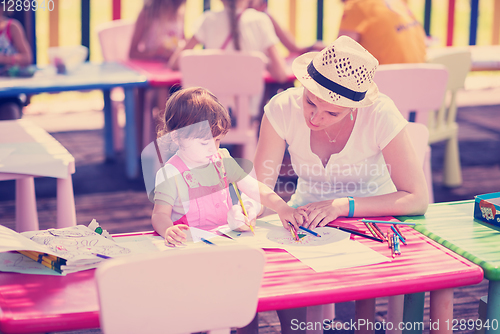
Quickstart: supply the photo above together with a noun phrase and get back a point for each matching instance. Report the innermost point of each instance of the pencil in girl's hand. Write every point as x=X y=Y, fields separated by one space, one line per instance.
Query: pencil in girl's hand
x=243 y=207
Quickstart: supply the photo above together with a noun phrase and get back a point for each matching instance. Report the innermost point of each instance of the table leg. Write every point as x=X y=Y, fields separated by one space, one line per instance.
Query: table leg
x=413 y=314
x=395 y=309
x=26 y=214
x=66 y=214
x=109 y=148
x=365 y=316
x=315 y=316
x=131 y=156
x=493 y=309
x=441 y=311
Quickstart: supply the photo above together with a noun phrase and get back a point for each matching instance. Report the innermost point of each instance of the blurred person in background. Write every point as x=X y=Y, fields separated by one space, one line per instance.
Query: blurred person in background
x=386 y=28
x=15 y=53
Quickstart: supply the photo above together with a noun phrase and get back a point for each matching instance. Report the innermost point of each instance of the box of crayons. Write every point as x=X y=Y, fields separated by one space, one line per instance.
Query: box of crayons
x=487 y=208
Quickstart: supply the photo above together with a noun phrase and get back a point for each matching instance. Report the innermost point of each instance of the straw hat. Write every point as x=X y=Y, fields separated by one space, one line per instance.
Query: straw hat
x=341 y=74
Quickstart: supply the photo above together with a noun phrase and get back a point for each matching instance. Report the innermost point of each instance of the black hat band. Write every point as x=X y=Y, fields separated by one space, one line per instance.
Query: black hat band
x=333 y=86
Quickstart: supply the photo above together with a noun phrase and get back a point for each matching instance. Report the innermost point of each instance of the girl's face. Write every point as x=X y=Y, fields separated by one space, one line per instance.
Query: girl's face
x=320 y=114
x=197 y=151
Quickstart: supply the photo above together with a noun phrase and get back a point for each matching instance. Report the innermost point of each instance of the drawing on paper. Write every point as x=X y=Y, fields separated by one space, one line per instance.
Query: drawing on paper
x=70 y=243
x=328 y=236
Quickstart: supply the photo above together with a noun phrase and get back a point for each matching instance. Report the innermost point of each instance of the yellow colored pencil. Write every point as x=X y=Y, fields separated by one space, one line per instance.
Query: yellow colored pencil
x=46 y=262
x=242 y=206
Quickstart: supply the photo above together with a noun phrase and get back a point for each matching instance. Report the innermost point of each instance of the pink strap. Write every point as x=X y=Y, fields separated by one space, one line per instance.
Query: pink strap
x=230 y=36
x=7 y=30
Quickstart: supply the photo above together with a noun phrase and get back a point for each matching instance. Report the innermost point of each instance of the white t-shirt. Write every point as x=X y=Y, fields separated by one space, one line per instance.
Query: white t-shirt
x=256 y=30
x=359 y=170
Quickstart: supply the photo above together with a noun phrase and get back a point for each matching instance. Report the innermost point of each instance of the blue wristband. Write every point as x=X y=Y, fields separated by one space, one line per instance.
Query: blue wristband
x=351 y=206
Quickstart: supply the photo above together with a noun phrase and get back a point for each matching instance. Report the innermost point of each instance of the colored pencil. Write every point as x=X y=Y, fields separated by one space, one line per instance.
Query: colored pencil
x=208 y=242
x=243 y=207
x=385 y=222
x=309 y=231
x=361 y=234
x=38 y=257
x=370 y=228
x=294 y=232
x=399 y=235
x=377 y=229
x=397 y=248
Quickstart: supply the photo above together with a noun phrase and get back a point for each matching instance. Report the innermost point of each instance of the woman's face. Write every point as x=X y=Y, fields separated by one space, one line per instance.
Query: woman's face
x=320 y=114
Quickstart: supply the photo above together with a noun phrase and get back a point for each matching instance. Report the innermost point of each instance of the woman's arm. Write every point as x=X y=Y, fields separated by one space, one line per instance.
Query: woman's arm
x=173 y=61
x=269 y=154
x=411 y=197
x=277 y=66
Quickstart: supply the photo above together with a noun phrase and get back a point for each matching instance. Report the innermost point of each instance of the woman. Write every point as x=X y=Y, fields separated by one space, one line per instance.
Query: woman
x=238 y=27
x=347 y=141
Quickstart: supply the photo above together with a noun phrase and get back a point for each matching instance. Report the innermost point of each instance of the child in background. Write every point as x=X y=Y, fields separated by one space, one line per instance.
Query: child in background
x=14 y=51
x=158 y=30
x=286 y=38
x=238 y=27
x=192 y=187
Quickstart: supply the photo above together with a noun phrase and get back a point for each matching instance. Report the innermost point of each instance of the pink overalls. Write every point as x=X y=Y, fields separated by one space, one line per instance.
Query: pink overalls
x=208 y=205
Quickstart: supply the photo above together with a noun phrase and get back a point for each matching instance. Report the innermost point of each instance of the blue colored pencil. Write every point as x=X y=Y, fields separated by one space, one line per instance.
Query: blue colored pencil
x=386 y=222
x=309 y=231
x=207 y=242
x=399 y=235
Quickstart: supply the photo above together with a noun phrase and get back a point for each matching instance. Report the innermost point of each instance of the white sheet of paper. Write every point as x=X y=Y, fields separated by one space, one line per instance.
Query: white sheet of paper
x=334 y=250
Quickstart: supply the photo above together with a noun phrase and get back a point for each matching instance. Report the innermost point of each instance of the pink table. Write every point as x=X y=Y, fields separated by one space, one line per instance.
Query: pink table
x=159 y=75
x=35 y=303
x=28 y=151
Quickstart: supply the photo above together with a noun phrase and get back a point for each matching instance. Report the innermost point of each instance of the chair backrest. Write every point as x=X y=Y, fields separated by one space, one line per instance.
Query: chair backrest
x=237 y=79
x=114 y=38
x=234 y=77
x=418 y=88
x=458 y=61
x=180 y=291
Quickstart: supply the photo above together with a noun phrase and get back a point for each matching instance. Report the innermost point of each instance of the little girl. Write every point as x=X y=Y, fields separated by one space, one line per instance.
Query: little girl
x=158 y=30
x=192 y=187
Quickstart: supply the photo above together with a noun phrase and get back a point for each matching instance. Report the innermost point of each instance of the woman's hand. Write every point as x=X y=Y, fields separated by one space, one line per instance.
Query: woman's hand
x=174 y=235
x=237 y=221
x=321 y=213
x=295 y=216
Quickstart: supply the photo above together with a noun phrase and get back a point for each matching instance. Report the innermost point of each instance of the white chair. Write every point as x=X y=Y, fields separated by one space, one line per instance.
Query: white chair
x=442 y=123
x=417 y=90
x=114 y=38
x=234 y=77
x=180 y=291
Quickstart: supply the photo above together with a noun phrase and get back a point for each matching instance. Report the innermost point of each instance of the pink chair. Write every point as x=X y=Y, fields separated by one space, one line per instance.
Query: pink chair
x=180 y=291
x=234 y=77
x=417 y=90
x=114 y=38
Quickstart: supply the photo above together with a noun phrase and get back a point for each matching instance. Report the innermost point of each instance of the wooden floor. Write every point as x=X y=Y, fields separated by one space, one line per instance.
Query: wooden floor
x=103 y=192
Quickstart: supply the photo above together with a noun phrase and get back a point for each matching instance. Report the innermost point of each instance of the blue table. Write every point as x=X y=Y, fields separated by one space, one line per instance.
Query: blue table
x=91 y=76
